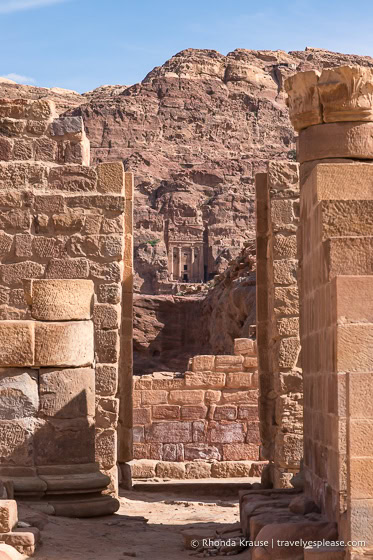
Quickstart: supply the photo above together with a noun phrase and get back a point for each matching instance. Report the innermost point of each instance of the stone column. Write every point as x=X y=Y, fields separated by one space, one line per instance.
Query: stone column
x=192 y=265
x=61 y=264
x=201 y=265
x=280 y=376
x=333 y=113
x=179 y=272
x=171 y=262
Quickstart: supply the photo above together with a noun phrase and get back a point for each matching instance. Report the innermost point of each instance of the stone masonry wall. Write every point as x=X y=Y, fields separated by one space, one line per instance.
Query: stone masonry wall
x=62 y=225
x=280 y=376
x=334 y=114
x=202 y=419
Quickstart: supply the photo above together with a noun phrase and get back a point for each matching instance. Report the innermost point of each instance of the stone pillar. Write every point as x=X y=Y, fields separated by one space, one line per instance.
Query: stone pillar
x=201 y=265
x=333 y=113
x=280 y=376
x=171 y=262
x=61 y=266
x=179 y=272
x=192 y=265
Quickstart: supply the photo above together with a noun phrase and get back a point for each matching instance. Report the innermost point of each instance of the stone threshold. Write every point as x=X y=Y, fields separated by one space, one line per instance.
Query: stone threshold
x=161 y=470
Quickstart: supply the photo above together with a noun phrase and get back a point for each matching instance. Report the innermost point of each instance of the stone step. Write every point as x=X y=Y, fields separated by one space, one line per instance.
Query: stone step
x=23 y=541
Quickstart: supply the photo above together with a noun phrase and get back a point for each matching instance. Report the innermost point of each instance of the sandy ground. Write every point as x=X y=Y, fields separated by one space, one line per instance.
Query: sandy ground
x=126 y=534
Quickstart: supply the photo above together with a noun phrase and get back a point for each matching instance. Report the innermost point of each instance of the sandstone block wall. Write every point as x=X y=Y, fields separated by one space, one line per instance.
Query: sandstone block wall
x=337 y=343
x=280 y=375
x=208 y=414
x=62 y=251
x=336 y=294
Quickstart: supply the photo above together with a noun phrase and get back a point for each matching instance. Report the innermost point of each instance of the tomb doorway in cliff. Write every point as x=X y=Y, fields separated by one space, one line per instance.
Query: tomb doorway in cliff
x=186 y=261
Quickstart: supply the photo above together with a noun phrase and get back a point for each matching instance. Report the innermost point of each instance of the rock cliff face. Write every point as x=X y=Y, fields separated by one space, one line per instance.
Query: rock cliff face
x=168 y=330
x=195 y=131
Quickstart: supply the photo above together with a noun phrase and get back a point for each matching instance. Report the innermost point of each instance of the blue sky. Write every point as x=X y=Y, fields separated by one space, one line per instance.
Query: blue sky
x=81 y=44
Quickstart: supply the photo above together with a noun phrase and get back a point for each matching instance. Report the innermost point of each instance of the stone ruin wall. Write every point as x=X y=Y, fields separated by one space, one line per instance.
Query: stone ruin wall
x=203 y=423
x=65 y=249
x=333 y=113
x=280 y=376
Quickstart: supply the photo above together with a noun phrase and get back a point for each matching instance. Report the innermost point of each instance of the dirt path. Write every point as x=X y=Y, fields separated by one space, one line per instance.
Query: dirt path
x=126 y=534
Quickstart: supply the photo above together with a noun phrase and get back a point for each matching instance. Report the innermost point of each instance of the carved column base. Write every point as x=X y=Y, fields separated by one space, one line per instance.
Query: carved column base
x=66 y=490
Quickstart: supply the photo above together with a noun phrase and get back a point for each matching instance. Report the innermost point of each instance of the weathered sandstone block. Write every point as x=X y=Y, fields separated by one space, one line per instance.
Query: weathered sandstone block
x=14 y=274
x=249 y=362
x=227 y=469
x=65 y=441
x=43 y=109
x=16 y=441
x=67 y=126
x=225 y=413
x=240 y=397
x=106 y=412
x=107 y=346
x=106 y=316
x=17 y=343
x=198 y=470
x=241 y=379
x=106 y=379
x=106 y=448
x=285 y=247
x=166 y=412
x=110 y=177
x=336 y=140
x=142 y=415
x=24 y=541
x=204 y=379
x=67 y=393
x=227 y=433
x=303 y=99
x=61 y=300
x=15 y=108
x=67 y=268
x=64 y=344
x=348 y=336
x=144 y=468
x=151 y=450
x=8 y=515
x=5 y=243
x=201 y=451
x=244 y=346
x=193 y=412
x=154 y=397
x=19 y=396
x=173 y=452
x=186 y=397
x=240 y=452
x=228 y=363
x=289 y=352
x=203 y=363
x=72 y=178
x=169 y=432
x=167 y=469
